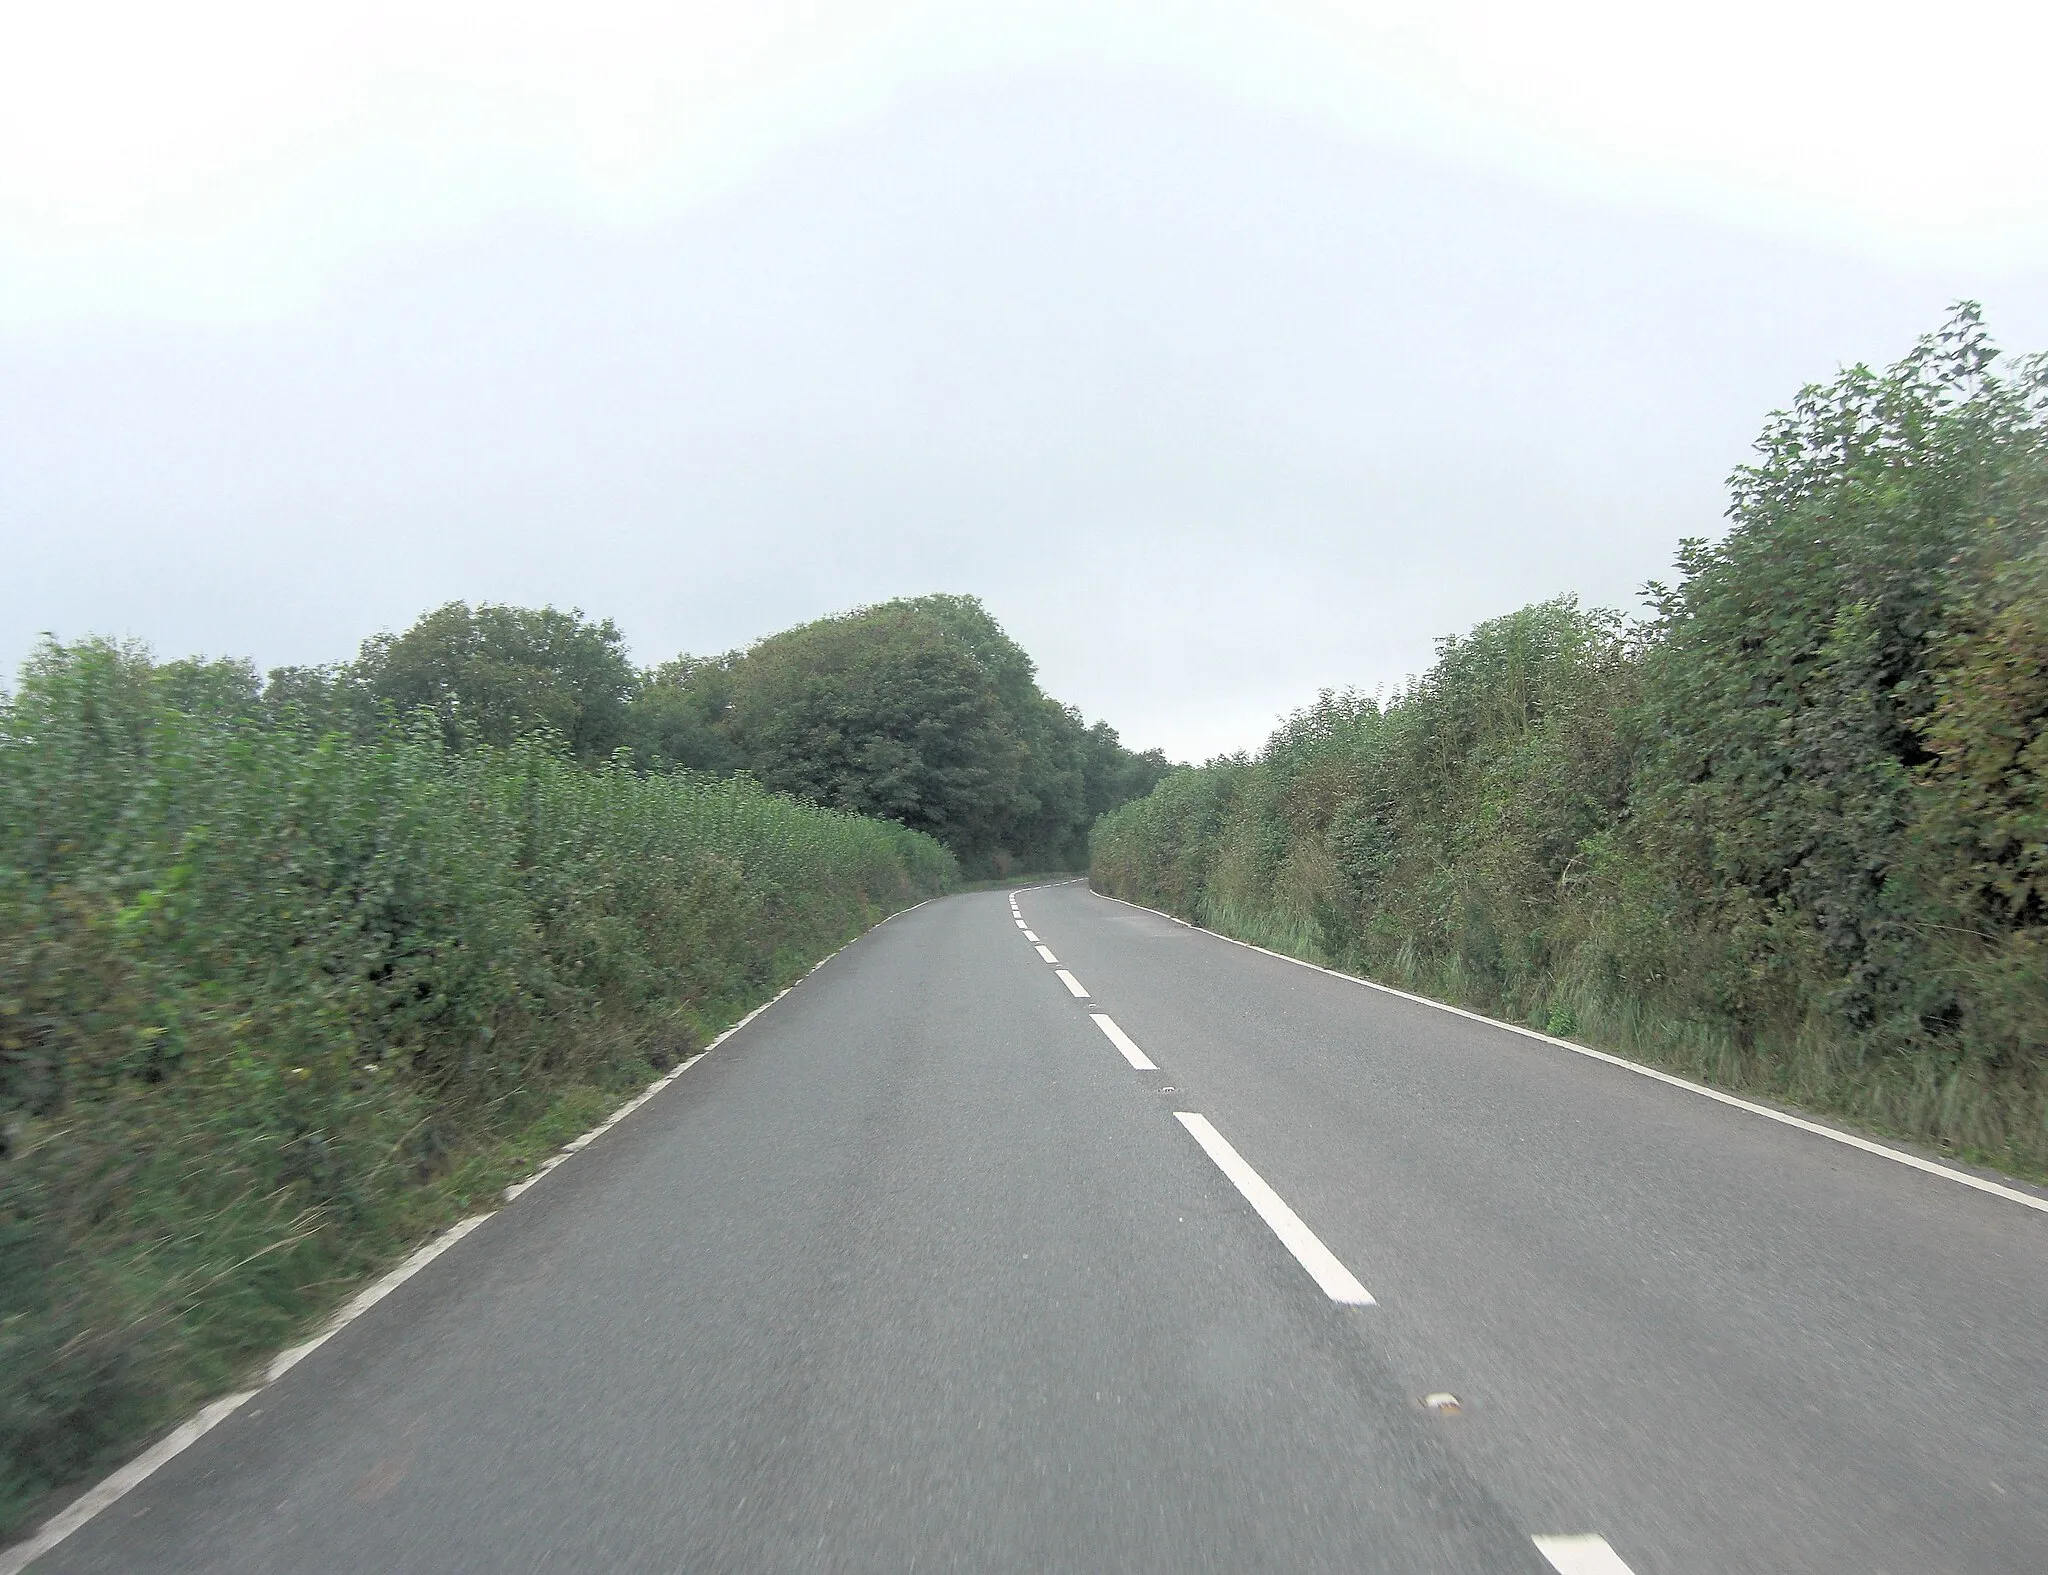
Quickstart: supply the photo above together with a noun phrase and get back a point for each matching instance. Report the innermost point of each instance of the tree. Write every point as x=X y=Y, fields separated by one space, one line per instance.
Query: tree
x=922 y=710
x=494 y=674
x=677 y=718
x=887 y=711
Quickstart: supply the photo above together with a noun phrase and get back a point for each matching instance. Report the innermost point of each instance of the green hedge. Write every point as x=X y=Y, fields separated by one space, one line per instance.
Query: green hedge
x=1788 y=834
x=274 y=1004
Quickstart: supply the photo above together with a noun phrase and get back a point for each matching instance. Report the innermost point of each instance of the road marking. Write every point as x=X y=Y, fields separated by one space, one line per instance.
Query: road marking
x=137 y=1471
x=1581 y=1555
x=61 y=1525
x=1123 y=1042
x=1020 y=924
x=1046 y=953
x=1848 y=1139
x=1338 y=1282
x=369 y=1296
x=1031 y=936
x=1073 y=985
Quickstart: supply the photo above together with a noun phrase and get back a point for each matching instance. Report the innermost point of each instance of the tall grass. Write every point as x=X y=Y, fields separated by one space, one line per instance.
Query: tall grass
x=274 y=1003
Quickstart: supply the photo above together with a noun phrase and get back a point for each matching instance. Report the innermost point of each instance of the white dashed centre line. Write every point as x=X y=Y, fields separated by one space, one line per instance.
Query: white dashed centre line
x=1031 y=936
x=1074 y=986
x=1581 y=1555
x=1338 y=1282
x=1045 y=952
x=1020 y=924
x=1138 y=1059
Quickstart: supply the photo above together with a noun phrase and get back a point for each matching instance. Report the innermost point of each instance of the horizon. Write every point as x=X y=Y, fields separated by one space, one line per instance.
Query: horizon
x=1226 y=363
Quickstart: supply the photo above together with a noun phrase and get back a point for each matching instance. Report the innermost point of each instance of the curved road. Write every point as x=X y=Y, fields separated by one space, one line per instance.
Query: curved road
x=927 y=1270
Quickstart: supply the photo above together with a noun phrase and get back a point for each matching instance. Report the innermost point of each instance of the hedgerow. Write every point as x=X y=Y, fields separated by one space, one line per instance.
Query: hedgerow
x=1790 y=833
x=276 y=1000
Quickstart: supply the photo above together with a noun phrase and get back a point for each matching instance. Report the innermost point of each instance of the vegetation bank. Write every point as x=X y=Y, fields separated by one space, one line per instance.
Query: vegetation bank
x=1788 y=834
x=294 y=972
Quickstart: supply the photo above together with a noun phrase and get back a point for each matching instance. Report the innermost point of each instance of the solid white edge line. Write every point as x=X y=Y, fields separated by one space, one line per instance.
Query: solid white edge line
x=96 y=1498
x=1046 y=952
x=1074 y=986
x=1338 y=1283
x=1123 y=1041
x=115 y=1486
x=369 y=1296
x=1930 y=1167
x=1581 y=1554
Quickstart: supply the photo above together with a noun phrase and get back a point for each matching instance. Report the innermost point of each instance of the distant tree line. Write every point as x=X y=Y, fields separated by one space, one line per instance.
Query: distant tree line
x=1790 y=832
x=921 y=711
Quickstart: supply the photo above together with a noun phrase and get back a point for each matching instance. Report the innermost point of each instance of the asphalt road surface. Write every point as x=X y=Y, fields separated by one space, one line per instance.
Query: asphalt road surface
x=928 y=1269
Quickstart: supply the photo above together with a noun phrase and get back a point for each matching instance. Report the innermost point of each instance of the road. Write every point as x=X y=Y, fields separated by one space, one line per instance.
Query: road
x=922 y=1271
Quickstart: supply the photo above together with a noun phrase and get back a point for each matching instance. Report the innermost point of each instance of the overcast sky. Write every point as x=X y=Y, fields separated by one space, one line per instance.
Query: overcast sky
x=1227 y=352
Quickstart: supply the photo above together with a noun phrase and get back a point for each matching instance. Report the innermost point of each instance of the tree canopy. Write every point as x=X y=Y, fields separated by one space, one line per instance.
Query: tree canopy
x=495 y=674
x=922 y=710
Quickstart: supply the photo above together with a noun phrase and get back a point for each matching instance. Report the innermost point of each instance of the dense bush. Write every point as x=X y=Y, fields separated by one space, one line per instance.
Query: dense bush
x=1791 y=832
x=276 y=998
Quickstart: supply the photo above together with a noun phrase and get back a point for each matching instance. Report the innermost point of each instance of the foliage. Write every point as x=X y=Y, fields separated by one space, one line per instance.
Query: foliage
x=1792 y=832
x=275 y=999
x=1791 y=688
x=677 y=715
x=497 y=674
x=923 y=711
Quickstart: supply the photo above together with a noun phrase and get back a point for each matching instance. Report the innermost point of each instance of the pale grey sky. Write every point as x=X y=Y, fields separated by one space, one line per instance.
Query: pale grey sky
x=1217 y=389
